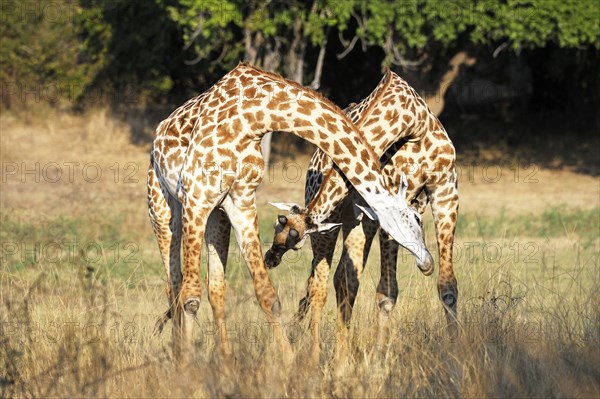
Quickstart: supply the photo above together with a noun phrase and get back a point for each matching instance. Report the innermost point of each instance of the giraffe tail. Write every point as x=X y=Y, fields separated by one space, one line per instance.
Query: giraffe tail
x=161 y=321
x=303 y=307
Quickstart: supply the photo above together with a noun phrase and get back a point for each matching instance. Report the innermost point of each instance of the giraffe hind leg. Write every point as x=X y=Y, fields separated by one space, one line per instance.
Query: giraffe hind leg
x=357 y=242
x=387 y=289
x=444 y=206
x=198 y=208
x=217 y=242
x=217 y=235
x=165 y=217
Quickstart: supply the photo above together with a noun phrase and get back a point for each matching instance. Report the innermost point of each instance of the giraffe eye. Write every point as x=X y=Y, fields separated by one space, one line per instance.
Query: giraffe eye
x=294 y=233
x=282 y=220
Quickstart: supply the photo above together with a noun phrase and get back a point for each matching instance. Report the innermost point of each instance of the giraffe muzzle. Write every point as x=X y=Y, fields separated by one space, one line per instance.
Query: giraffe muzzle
x=426 y=263
x=272 y=258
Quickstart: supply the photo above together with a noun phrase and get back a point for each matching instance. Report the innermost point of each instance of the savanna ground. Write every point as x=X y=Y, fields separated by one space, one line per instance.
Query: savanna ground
x=81 y=285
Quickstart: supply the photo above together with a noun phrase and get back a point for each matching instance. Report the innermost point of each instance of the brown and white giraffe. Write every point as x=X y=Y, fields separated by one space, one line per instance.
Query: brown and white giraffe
x=429 y=165
x=206 y=157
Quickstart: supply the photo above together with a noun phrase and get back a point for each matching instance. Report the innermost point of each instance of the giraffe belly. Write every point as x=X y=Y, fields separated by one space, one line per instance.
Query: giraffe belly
x=218 y=169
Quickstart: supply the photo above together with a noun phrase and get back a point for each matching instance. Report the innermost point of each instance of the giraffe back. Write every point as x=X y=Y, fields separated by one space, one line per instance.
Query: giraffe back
x=415 y=143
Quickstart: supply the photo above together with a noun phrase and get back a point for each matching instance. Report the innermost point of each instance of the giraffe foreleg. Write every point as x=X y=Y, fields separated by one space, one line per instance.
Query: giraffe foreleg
x=444 y=206
x=387 y=289
x=323 y=246
x=217 y=242
x=244 y=221
x=347 y=278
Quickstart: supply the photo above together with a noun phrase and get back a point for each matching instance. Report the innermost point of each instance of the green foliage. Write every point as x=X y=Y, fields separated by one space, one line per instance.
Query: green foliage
x=163 y=48
x=423 y=25
x=210 y=27
x=39 y=55
x=137 y=48
x=533 y=23
x=558 y=221
x=69 y=243
x=204 y=24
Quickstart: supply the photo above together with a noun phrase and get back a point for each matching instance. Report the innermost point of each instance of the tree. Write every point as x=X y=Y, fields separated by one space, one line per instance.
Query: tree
x=38 y=61
x=428 y=40
x=418 y=36
x=275 y=34
x=162 y=51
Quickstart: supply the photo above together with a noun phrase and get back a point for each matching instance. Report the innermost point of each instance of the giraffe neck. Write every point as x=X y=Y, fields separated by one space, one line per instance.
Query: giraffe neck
x=329 y=195
x=415 y=121
x=393 y=111
x=267 y=102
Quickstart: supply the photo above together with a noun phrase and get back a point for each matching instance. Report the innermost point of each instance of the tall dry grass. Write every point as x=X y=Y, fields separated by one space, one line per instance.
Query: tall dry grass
x=82 y=336
x=80 y=324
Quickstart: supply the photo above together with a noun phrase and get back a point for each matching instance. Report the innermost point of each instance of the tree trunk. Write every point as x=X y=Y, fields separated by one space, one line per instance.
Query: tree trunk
x=433 y=84
x=316 y=83
x=295 y=58
x=436 y=101
x=251 y=46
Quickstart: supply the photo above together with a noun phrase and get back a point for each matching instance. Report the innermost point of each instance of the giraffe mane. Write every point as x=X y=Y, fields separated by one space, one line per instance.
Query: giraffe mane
x=295 y=84
x=381 y=88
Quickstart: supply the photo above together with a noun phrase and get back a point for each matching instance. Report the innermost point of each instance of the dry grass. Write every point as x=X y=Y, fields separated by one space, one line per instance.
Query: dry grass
x=77 y=322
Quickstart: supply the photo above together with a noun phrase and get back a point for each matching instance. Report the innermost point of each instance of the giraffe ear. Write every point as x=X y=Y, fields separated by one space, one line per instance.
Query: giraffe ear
x=323 y=228
x=367 y=211
x=403 y=186
x=284 y=206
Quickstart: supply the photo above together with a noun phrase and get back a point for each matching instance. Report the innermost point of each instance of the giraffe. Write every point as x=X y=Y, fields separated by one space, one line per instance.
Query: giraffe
x=205 y=167
x=429 y=165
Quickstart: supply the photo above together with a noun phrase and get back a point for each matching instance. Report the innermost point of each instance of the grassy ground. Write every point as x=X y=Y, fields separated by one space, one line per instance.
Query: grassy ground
x=81 y=285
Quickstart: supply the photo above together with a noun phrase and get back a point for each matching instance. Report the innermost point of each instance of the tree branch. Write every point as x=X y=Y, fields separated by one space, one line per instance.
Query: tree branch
x=194 y=61
x=361 y=24
x=344 y=42
x=222 y=55
x=348 y=48
x=499 y=49
x=397 y=58
x=195 y=35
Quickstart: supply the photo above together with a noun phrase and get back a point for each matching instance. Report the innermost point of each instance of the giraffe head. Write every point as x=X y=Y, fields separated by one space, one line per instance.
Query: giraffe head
x=405 y=221
x=291 y=231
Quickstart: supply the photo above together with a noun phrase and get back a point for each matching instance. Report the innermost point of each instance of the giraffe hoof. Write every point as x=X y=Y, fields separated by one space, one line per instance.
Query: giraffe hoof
x=276 y=308
x=160 y=323
x=386 y=305
x=192 y=305
x=449 y=299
